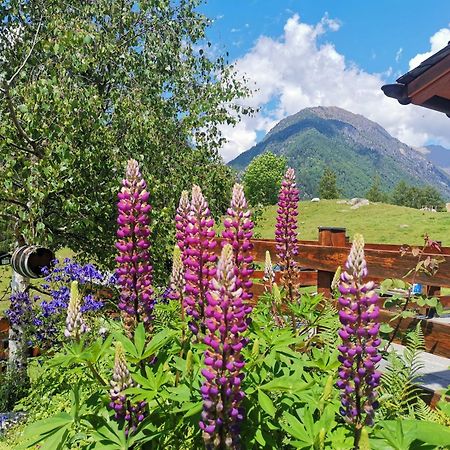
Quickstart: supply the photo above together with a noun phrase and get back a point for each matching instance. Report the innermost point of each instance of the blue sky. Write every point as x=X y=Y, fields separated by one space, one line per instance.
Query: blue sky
x=346 y=42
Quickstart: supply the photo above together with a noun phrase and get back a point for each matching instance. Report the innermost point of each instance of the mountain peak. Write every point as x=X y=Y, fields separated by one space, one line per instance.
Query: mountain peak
x=355 y=147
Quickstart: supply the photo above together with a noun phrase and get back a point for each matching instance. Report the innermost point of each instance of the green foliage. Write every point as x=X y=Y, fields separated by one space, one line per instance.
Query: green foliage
x=328 y=185
x=398 y=389
x=416 y=197
x=375 y=193
x=262 y=178
x=11 y=391
x=87 y=85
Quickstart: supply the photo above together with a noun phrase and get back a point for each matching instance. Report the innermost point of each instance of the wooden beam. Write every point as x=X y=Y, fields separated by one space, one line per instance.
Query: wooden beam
x=430 y=76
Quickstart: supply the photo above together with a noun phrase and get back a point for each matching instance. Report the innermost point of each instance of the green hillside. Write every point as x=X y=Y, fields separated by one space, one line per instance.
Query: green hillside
x=378 y=222
x=355 y=148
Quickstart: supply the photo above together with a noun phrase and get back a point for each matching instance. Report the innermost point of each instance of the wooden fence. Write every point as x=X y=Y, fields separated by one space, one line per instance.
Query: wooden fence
x=320 y=259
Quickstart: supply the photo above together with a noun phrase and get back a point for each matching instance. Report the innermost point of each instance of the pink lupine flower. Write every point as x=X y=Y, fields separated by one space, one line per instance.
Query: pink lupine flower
x=226 y=321
x=238 y=233
x=134 y=271
x=181 y=222
x=199 y=262
x=286 y=231
x=358 y=378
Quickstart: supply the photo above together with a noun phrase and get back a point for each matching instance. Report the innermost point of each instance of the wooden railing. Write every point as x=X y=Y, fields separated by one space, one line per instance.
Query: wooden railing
x=320 y=259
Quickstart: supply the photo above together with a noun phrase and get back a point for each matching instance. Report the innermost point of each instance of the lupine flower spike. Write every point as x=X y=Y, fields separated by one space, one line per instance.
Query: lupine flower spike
x=134 y=271
x=269 y=274
x=286 y=232
x=238 y=232
x=181 y=222
x=121 y=380
x=359 y=356
x=200 y=258
x=226 y=321
x=75 y=325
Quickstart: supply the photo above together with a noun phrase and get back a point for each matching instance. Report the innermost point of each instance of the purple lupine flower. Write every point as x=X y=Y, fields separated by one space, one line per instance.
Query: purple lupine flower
x=238 y=233
x=181 y=222
x=359 y=356
x=226 y=321
x=286 y=231
x=200 y=258
x=134 y=271
x=75 y=325
x=121 y=380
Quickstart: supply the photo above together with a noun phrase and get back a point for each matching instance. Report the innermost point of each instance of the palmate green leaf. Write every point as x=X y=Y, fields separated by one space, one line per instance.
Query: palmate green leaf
x=296 y=429
x=266 y=403
x=45 y=429
x=56 y=441
x=158 y=341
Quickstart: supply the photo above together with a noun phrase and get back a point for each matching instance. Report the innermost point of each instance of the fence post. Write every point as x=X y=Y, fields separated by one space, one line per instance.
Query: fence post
x=329 y=237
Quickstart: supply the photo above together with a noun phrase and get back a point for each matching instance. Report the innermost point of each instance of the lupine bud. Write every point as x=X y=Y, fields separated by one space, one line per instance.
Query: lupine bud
x=134 y=271
x=177 y=277
x=269 y=274
x=75 y=325
x=359 y=356
x=221 y=391
x=199 y=266
x=189 y=361
x=121 y=380
x=286 y=231
x=238 y=233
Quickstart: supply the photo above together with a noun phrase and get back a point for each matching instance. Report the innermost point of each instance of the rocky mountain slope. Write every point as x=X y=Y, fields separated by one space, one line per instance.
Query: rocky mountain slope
x=353 y=146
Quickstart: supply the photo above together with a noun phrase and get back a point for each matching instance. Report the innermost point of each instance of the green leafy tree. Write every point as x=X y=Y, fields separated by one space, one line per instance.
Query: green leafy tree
x=262 y=179
x=328 y=185
x=416 y=197
x=86 y=85
x=375 y=194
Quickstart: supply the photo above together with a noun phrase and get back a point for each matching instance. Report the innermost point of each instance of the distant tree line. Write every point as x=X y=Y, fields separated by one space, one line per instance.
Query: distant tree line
x=263 y=177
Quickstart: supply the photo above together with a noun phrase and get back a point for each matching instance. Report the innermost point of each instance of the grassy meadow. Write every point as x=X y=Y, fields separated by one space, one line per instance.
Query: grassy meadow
x=378 y=222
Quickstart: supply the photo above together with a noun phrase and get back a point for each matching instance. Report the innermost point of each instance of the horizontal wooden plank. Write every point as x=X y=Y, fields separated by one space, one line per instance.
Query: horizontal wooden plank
x=381 y=263
x=437 y=335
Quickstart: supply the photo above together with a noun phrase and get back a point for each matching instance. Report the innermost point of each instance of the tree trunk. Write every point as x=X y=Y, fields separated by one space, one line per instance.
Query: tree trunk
x=17 y=359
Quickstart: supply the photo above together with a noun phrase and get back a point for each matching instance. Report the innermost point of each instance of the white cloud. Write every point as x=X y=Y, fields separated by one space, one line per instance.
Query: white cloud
x=295 y=71
x=398 y=55
x=438 y=41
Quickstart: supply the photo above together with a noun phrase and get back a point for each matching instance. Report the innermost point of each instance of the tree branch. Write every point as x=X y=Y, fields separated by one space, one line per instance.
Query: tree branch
x=18 y=147
x=17 y=72
x=14 y=202
x=32 y=144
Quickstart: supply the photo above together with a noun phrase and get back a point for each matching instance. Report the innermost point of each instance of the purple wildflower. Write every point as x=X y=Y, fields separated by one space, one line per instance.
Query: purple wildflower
x=226 y=315
x=20 y=309
x=238 y=233
x=286 y=231
x=134 y=271
x=359 y=356
x=200 y=258
x=121 y=380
